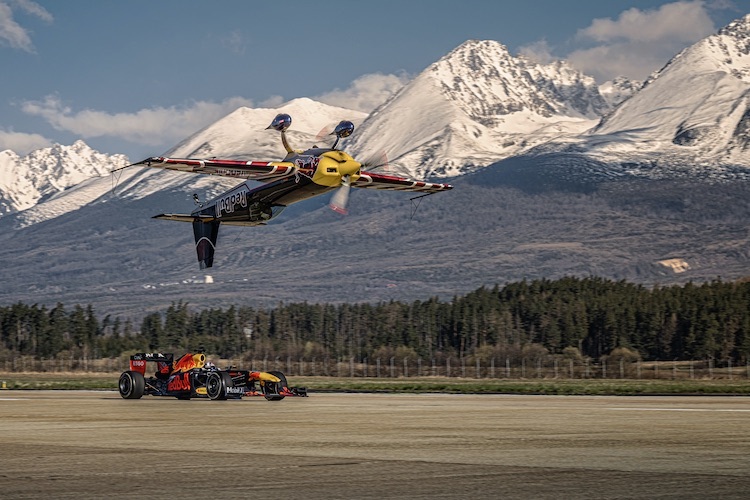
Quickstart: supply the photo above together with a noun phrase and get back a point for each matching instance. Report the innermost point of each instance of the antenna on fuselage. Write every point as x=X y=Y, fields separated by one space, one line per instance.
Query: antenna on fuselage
x=282 y=122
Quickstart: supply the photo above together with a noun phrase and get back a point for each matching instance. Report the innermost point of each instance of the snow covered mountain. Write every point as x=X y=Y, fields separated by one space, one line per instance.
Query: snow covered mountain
x=243 y=135
x=555 y=195
x=696 y=109
x=66 y=178
x=476 y=106
x=25 y=180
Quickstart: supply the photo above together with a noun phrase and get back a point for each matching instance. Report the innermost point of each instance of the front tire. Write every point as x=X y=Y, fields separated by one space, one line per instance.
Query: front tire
x=216 y=385
x=132 y=385
x=275 y=387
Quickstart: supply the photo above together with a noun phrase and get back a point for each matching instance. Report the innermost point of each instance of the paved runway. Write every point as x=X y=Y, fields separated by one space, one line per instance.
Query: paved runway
x=94 y=444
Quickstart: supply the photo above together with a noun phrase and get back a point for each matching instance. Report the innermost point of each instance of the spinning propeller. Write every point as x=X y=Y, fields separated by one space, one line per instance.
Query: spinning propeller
x=340 y=198
x=346 y=166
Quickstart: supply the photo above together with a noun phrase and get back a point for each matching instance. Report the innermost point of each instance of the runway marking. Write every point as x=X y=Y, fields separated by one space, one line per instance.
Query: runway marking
x=684 y=409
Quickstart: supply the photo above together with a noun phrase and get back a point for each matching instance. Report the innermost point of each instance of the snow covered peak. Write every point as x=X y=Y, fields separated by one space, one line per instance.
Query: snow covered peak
x=738 y=29
x=617 y=90
x=489 y=82
x=242 y=134
x=477 y=105
x=697 y=105
x=728 y=50
x=24 y=180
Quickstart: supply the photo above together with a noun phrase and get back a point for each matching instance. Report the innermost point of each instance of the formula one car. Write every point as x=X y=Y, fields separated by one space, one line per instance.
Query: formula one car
x=192 y=377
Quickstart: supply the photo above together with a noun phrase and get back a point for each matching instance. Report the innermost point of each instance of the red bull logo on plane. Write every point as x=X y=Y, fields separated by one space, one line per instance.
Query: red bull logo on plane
x=231 y=202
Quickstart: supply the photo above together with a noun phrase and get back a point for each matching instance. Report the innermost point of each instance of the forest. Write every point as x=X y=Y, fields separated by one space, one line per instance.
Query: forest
x=591 y=317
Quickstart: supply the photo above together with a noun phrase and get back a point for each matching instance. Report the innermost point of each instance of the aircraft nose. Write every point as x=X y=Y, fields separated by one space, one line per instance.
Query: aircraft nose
x=350 y=167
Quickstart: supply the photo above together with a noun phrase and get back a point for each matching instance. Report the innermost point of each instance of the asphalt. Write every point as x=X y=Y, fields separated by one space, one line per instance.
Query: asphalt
x=81 y=444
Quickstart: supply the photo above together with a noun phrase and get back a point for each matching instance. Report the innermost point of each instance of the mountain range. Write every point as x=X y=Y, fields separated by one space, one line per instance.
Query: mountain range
x=554 y=175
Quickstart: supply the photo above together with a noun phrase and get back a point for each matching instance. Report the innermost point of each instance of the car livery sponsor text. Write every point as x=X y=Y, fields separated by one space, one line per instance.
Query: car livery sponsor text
x=179 y=383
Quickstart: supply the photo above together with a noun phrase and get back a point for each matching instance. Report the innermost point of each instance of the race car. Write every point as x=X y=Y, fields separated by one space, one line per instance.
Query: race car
x=192 y=377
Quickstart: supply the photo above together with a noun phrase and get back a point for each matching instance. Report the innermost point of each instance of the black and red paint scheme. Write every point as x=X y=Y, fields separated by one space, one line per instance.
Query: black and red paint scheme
x=191 y=376
x=299 y=176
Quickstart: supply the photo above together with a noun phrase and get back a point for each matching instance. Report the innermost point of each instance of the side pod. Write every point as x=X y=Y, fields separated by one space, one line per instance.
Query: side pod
x=206 y=234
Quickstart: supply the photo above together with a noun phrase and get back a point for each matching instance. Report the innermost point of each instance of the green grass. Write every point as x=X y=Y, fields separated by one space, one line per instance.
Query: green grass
x=104 y=381
x=67 y=381
x=540 y=386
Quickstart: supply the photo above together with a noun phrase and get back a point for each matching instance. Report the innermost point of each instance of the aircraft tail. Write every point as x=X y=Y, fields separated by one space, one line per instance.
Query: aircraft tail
x=206 y=231
x=206 y=234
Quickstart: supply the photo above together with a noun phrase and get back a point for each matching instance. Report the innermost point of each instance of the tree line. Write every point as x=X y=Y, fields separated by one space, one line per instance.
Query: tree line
x=592 y=317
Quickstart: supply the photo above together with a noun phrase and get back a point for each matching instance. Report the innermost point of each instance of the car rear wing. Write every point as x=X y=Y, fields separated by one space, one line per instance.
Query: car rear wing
x=138 y=361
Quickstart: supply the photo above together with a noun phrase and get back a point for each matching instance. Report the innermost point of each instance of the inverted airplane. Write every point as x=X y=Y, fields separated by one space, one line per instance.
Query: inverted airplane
x=299 y=176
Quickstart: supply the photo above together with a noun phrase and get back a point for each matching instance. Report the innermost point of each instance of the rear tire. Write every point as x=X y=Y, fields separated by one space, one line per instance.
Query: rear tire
x=216 y=385
x=132 y=385
x=275 y=386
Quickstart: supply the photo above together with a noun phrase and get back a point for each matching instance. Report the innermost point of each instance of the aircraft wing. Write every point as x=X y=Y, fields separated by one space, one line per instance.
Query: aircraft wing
x=256 y=170
x=370 y=180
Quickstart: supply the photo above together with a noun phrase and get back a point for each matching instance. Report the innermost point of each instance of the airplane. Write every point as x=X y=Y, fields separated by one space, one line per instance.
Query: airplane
x=299 y=176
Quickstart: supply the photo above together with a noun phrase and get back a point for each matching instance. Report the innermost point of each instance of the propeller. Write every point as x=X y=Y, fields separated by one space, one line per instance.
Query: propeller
x=342 y=130
x=377 y=161
x=340 y=198
x=324 y=132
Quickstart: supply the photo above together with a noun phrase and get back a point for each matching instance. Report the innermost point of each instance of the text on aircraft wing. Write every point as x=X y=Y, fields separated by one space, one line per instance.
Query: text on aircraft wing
x=370 y=180
x=256 y=170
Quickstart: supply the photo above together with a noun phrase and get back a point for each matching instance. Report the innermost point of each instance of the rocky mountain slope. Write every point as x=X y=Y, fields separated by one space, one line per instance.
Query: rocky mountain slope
x=475 y=106
x=509 y=221
x=694 y=110
x=27 y=180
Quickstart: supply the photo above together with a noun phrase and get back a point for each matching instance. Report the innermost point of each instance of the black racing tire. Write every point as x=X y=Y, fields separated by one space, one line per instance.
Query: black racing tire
x=275 y=387
x=132 y=385
x=216 y=385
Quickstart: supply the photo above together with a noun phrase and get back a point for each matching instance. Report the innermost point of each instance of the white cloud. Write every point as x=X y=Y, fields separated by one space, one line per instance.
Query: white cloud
x=33 y=8
x=153 y=126
x=639 y=42
x=12 y=33
x=540 y=52
x=22 y=143
x=678 y=21
x=366 y=92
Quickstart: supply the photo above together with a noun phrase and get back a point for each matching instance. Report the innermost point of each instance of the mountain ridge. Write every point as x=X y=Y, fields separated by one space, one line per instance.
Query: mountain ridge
x=564 y=197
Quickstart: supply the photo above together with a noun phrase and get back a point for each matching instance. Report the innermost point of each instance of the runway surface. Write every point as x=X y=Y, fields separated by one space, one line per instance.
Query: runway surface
x=81 y=444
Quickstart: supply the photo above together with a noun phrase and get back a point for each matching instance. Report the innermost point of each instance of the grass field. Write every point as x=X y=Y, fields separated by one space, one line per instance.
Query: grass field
x=104 y=381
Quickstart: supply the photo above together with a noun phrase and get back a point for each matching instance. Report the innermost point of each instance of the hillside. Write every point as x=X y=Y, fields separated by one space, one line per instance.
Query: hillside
x=553 y=181
x=508 y=222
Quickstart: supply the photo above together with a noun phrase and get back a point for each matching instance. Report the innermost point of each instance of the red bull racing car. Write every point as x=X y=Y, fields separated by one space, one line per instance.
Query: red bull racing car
x=192 y=377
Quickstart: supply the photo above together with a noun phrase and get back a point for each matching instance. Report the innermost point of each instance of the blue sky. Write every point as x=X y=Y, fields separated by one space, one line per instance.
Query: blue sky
x=138 y=76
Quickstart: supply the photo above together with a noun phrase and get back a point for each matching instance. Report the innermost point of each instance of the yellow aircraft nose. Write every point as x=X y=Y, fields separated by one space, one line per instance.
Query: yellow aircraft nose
x=349 y=167
x=333 y=166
